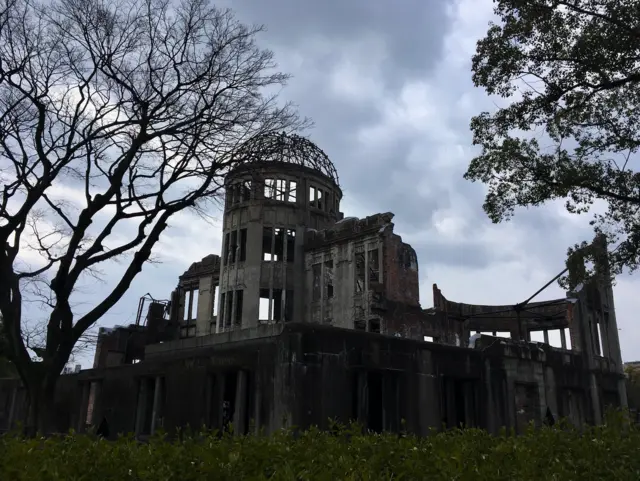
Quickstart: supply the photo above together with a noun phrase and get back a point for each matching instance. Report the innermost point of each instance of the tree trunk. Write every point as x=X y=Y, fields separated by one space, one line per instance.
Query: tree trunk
x=40 y=419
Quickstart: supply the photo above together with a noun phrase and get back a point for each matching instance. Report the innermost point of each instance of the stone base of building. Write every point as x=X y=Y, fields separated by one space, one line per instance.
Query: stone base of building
x=302 y=375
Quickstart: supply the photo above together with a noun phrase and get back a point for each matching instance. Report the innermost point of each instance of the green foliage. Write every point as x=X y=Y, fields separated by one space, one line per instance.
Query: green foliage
x=572 y=128
x=560 y=453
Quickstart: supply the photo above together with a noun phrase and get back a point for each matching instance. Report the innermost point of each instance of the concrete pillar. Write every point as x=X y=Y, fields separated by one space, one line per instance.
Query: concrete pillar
x=157 y=404
x=240 y=414
x=141 y=408
x=563 y=338
x=595 y=399
x=257 y=415
x=546 y=336
x=84 y=406
x=206 y=290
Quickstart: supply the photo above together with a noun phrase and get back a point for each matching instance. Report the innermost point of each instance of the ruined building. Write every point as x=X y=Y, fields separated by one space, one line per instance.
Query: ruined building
x=308 y=315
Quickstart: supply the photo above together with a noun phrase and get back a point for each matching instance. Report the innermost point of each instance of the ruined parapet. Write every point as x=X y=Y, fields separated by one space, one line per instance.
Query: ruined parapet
x=193 y=301
x=360 y=275
x=283 y=185
x=544 y=316
x=120 y=345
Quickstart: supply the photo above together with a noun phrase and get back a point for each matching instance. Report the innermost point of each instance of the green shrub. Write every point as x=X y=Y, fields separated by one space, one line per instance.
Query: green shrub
x=561 y=453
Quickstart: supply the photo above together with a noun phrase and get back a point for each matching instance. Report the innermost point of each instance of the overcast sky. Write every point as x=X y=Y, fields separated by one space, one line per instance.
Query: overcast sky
x=388 y=85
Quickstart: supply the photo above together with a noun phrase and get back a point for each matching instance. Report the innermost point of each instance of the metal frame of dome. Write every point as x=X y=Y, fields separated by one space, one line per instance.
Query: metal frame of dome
x=288 y=148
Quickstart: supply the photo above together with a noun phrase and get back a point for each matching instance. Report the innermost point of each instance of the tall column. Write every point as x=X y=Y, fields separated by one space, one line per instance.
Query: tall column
x=240 y=415
x=141 y=408
x=84 y=406
x=157 y=404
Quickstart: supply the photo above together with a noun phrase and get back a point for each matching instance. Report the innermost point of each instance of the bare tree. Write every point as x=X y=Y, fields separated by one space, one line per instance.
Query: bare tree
x=114 y=116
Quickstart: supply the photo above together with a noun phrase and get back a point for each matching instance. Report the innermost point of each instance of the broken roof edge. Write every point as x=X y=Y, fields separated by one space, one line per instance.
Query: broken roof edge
x=440 y=302
x=349 y=227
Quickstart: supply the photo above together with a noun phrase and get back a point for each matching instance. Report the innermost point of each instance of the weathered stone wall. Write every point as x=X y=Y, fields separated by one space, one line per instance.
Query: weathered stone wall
x=307 y=374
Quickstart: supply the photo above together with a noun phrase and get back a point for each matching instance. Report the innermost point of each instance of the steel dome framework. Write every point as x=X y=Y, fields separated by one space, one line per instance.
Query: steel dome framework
x=288 y=148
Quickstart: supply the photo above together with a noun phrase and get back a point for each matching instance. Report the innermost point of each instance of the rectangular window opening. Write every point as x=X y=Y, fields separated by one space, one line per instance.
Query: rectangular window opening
x=228 y=309
x=554 y=338
x=536 y=336
x=374 y=265
x=599 y=328
x=428 y=339
x=276 y=305
x=360 y=271
x=186 y=308
x=194 y=304
x=267 y=243
x=278 y=251
x=291 y=245
x=246 y=190
x=281 y=189
x=292 y=192
x=316 y=270
x=227 y=240
x=222 y=301
x=269 y=188
x=374 y=325
x=233 y=247
x=243 y=245
x=264 y=307
x=360 y=325
x=328 y=278
x=239 y=302
x=312 y=196
x=215 y=303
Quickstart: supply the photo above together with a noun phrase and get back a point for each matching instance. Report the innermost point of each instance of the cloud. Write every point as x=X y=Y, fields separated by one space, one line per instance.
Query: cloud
x=389 y=87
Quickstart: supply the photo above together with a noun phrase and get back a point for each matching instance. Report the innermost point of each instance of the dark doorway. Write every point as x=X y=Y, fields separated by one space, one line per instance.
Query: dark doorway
x=375 y=411
x=229 y=399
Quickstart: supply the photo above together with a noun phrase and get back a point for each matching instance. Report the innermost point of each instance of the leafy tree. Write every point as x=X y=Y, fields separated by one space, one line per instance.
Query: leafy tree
x=571 y=69
x=114 y=116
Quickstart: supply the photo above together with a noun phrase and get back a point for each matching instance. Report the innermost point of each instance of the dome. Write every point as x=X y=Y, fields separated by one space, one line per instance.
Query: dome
x=288 y=148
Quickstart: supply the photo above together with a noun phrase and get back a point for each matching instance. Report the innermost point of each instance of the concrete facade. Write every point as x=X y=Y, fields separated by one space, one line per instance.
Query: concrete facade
x=308 y=315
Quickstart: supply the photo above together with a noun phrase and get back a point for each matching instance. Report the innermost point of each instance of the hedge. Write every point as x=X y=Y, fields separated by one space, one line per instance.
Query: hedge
x=609 y=452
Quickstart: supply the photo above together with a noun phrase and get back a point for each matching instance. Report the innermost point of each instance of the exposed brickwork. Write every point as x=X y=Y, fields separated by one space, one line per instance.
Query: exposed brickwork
x=401 y=278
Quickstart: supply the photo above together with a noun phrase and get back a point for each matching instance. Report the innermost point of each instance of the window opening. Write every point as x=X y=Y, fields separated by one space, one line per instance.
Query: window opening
x=316 y=270
x=280 y=189
x=243 y=245
x=328 y=276
x=278 y=251
x=194 y=304
x=215 y=303
x=267 y=243
x=374 y=325
x=359 y=271
x=292 y=192
x=276 y=305
x=228 y=308
x=374 y=265
x=291 y=245
x=233 y=246
x=312 y=196
x=269 y=188
x=239 y=301
x=264 y=307
x=246 y=190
